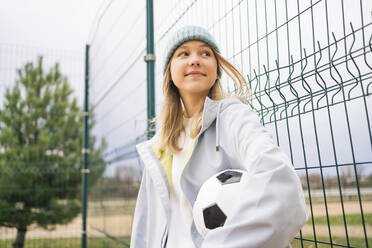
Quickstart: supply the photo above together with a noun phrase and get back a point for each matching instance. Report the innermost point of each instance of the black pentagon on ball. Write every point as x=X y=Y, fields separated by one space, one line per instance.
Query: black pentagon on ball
x=213 y=217
x=229 y=176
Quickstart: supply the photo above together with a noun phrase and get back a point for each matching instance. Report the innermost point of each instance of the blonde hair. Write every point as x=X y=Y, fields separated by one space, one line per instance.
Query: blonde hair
x=172 y=112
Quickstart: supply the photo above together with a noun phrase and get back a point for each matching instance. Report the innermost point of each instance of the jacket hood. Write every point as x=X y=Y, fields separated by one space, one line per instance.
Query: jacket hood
x=212 y=111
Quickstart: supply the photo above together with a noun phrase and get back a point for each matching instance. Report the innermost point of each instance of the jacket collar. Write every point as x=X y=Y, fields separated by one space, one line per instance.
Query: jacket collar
x=209 y=113
x=212 y=111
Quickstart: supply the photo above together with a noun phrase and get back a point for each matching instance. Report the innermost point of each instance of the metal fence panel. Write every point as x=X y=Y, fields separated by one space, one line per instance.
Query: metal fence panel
x=308 y=64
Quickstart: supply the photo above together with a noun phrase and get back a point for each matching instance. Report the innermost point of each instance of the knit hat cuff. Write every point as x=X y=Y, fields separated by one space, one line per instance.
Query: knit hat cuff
x=186 y=34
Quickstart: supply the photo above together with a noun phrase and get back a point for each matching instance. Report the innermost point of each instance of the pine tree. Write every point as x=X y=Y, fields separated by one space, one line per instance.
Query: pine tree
x=41 y=141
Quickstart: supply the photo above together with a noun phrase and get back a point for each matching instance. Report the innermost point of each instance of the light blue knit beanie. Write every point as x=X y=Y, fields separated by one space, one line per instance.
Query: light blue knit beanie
x=185 y=34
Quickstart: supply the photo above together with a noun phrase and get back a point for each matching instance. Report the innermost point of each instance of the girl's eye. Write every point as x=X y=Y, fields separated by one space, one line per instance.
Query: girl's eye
x=206 y=53
x=183 y=54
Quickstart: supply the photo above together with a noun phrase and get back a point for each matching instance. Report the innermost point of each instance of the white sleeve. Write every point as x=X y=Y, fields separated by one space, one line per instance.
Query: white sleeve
x=271 y=209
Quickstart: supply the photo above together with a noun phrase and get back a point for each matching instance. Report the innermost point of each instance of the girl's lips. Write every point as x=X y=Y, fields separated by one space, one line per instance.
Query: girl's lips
x=195 y=74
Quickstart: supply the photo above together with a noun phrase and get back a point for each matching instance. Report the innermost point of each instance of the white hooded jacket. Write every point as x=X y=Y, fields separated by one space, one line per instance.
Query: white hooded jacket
x=271 y=209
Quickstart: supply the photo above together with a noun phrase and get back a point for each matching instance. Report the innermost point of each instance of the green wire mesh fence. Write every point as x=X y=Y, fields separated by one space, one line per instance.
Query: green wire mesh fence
x=308 y=64
x=118 y=96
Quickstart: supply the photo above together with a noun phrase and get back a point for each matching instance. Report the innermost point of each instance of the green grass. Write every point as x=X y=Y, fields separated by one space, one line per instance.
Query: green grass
x=338 y=220
x=355 y=242
x=68 y=243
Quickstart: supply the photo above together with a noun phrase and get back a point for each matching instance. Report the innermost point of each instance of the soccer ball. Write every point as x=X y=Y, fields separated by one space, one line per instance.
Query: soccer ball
x=216 y=199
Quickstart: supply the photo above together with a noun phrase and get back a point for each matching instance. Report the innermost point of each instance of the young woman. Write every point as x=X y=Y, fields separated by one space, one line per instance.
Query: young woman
x=203 y=132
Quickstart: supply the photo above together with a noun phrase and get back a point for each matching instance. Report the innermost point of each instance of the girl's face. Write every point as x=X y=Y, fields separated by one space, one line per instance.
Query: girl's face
x=193 y=68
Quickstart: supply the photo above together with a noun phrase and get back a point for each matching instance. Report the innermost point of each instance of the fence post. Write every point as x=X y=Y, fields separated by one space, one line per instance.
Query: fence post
x=85 y=151
x=150 y=60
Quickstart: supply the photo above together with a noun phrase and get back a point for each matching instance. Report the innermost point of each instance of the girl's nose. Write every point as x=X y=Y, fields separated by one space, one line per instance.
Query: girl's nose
x=194 y=60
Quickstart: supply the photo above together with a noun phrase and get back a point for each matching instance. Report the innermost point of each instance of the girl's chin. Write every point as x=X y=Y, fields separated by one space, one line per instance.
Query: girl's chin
x=196 y=91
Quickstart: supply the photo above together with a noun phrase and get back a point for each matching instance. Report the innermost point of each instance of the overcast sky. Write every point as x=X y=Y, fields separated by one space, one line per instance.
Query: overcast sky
x=56 y=29
x=47 y=23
